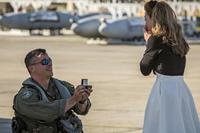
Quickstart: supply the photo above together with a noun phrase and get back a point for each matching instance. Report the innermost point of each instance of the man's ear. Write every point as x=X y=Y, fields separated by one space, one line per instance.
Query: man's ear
x=31 y=68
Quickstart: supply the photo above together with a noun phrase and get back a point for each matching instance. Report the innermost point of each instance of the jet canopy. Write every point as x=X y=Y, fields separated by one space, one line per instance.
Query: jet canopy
x=44 y=16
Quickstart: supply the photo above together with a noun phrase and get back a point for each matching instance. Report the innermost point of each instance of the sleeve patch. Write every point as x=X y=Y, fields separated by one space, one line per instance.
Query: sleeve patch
x=26 y=94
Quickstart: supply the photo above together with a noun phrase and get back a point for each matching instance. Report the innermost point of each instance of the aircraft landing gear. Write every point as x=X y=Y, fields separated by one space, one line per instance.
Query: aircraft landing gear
x=55 y=32
x=35 y=32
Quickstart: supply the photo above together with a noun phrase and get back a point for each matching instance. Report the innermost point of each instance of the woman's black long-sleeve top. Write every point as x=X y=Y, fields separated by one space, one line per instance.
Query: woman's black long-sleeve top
x=160 y=58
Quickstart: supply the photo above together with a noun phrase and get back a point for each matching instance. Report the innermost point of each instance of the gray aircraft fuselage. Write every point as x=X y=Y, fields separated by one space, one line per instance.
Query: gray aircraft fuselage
x=88 y=26
x=124 y=29
x=37 y=20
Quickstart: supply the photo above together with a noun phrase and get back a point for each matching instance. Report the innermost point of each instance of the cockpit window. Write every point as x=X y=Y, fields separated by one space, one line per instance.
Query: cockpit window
x=44 y=16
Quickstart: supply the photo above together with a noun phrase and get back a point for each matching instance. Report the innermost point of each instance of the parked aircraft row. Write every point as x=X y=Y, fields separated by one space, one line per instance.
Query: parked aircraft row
x=92 y=25
x=122 y=29
x=125 y=29
x=52 y=20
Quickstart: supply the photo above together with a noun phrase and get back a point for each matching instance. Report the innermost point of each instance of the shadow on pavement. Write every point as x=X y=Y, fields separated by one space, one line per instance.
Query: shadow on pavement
x=5 y=125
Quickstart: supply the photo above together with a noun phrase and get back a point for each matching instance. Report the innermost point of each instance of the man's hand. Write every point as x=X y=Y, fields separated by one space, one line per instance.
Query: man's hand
x=88 y=90
x=81 y=93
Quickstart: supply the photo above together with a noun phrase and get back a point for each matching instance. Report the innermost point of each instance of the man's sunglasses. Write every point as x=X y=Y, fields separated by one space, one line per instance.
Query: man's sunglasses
x=45 y=61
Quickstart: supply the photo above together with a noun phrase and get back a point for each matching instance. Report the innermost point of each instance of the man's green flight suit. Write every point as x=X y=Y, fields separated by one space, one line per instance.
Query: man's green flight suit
x=41 y=109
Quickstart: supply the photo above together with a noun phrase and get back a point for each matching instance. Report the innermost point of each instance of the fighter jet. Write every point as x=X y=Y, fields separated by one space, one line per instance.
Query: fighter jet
x=54 y=21
x=88 y=26
x=125 y=29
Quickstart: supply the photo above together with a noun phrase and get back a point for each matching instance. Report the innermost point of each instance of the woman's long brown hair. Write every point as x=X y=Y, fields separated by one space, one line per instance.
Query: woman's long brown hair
x=165 y=24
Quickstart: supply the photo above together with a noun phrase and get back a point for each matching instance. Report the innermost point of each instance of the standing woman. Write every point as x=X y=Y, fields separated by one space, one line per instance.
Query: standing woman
x=170 y=108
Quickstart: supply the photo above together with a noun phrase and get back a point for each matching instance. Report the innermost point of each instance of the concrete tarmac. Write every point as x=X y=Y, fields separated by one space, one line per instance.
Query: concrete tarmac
x=120 y=91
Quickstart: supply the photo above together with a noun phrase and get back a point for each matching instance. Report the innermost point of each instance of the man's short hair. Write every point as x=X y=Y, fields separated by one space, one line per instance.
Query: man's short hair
x=33 y=53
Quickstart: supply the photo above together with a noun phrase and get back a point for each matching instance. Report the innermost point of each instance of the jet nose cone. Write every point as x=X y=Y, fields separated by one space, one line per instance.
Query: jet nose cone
x=87 y=29
x=77 y=29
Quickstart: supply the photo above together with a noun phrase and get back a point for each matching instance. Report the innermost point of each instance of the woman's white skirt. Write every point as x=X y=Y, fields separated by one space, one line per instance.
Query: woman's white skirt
x=170 y=108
